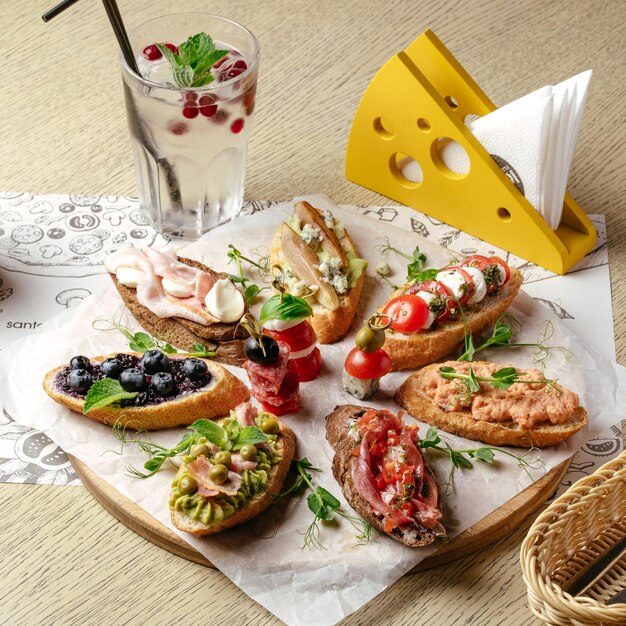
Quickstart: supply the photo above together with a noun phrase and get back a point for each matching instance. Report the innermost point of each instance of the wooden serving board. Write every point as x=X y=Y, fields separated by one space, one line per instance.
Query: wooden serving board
x=488 y=530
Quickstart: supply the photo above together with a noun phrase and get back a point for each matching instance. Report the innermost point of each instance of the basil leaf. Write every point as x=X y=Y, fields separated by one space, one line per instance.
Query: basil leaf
x=212 y=431
x=287 y=308
x=249 y=435
x=105 y=392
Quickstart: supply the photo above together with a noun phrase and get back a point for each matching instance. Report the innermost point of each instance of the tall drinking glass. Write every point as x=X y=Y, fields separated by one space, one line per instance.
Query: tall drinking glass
x=190 y=145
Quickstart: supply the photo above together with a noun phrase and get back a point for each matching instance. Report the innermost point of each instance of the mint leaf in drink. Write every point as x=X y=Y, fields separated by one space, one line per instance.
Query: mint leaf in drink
x=191 y=65
x=105 y=392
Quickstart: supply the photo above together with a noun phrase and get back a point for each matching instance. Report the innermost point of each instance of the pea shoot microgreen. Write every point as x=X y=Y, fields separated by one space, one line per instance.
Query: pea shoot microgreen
x=503 y=331
x=251 y=290
x=231 y=436
x=323 y=504
x=463 y=459
x=142 y=342
x=415 y=271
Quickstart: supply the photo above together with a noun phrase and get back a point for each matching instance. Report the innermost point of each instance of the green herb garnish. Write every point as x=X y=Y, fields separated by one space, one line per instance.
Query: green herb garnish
x=142 y=342
x=415 y=271
x=486 y=454
x=503 y=331
x=285 y=307
x=251 y=291
x=105 y=392
x=228 y=437
x=191 y=65
x=322 y=504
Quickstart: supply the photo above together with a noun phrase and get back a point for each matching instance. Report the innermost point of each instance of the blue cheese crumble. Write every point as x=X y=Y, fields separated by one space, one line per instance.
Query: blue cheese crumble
x=331 y=273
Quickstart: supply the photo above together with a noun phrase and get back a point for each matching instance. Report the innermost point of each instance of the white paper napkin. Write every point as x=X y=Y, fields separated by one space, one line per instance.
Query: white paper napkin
x=532 y=139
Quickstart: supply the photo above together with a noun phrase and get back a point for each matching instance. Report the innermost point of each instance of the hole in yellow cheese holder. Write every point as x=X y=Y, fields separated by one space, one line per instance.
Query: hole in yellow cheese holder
x=450 y=158
x=423 y=124
x=406 y=170
x=452 y=102
x=504 y=214
x=384 y=127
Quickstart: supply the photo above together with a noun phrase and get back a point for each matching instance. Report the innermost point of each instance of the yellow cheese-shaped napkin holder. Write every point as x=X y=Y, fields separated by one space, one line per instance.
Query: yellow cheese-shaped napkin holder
x=418 y=100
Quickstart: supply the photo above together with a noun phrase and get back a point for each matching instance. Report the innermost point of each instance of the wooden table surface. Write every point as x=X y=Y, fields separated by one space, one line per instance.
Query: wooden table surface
x=63 y=129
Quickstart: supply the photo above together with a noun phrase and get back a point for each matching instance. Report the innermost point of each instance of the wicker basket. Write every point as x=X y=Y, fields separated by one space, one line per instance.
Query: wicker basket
x=578 y=526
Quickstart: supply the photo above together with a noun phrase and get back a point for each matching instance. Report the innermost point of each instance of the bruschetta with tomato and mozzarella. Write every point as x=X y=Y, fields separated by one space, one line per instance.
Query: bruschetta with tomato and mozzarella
x=321 y=264
x=430 y=317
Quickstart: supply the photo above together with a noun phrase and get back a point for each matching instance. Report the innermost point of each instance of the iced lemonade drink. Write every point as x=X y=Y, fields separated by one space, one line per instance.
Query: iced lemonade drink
x=190 y=115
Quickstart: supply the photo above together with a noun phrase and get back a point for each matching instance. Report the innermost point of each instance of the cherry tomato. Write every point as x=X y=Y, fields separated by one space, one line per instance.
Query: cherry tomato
x=367 y=365
x=469 y=284
x=409 y=313
x=443 y=293
x=298 y=337
x=476 y=260
x=507 y=270
x=310 y=366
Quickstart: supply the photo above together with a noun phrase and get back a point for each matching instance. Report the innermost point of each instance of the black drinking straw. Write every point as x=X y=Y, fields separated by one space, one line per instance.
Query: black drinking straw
x=115 y=18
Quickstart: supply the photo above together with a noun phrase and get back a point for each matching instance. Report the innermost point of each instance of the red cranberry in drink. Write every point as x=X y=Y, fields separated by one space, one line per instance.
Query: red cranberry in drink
x=177 y=128
x=207 y=106
x=221 y=61
x=190 y=112
x=190 y=97
x=172 y=47
x=237 y=126
x=220 y=116
x=152 y=53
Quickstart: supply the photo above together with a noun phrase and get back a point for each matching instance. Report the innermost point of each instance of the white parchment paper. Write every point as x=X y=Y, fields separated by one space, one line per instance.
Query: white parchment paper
x=303 y=586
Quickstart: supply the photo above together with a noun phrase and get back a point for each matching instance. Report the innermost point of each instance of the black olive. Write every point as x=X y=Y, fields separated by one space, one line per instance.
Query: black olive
x=254 y=353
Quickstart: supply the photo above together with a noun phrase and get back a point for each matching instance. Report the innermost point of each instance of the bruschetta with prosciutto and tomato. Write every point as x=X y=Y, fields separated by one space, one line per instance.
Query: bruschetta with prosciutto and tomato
x=383 y=475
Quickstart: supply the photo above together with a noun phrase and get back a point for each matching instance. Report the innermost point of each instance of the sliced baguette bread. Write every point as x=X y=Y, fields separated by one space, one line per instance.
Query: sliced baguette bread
x=411 y=396
x=338 y=434
x=330 y=325
x=286 y=448
x=222 y=393
x=224 y=339
x=427 y=346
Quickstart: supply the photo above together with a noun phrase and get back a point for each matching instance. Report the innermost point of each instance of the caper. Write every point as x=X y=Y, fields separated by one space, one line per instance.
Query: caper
x=222 y=458
x=270 y=425
x=370 y=340
x=199 y=449
x=248 y=452
x=218 y=473
x=187 y=485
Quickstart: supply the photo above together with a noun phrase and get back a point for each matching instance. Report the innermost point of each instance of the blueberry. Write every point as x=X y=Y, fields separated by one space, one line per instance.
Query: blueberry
x=154 y=361
x=111 y=367
x=79 y=379
x=163 y=383
x=80 y=363
x=195 y=368
x=133 y=379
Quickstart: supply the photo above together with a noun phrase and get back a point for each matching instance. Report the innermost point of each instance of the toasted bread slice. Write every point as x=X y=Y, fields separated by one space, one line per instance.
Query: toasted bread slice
x=286 y=448
x=329 y=325
x=223 y=393
x=339 y=436
x=224 y=339
x=427 y=346
x=506 y=433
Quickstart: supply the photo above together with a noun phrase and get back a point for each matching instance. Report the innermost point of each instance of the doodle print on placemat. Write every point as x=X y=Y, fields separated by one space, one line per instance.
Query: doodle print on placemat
x=595 y=452
x=5 y=293
x=29 y=456
x=556 y=308
x=255 y=206
x=67 y=235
